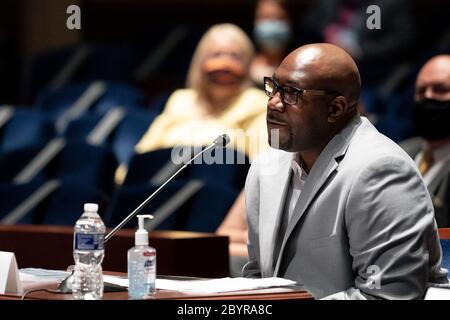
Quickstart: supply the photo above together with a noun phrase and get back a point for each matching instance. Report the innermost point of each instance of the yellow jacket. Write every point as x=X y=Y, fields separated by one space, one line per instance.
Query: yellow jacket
x=183 y=122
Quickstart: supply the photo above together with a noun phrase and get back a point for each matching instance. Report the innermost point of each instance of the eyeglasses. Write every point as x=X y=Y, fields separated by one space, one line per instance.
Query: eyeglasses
x=289 y=94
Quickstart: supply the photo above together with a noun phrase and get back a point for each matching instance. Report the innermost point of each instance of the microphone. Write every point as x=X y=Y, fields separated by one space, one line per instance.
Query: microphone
x=221 y=141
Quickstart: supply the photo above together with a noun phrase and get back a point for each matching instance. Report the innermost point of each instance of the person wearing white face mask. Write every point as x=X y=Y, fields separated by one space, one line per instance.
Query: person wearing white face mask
x=272 y=34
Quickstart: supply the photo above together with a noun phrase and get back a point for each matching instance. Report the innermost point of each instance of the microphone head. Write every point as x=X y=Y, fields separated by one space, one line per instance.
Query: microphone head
x=222 y=140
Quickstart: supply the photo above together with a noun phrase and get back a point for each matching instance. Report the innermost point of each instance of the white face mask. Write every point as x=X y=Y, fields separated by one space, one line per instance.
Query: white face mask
x=272 y=34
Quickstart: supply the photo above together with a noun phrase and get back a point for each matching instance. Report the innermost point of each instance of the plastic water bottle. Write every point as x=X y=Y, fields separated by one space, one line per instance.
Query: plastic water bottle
x=141 y=264
x=88 y=253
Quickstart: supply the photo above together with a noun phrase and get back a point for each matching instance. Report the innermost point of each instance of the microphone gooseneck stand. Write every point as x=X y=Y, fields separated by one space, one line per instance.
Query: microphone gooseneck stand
x=221 y=141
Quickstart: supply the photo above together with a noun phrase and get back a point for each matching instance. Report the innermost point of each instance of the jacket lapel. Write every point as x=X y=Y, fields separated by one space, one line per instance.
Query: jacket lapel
x=271 y=202
x=322 y=169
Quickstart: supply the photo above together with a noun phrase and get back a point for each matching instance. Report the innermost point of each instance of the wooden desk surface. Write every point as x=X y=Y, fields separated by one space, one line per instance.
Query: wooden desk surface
x=262 y=294
x=267 y=294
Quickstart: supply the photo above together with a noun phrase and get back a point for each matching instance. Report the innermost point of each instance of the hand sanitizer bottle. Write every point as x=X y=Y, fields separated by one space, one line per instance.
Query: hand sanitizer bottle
x=141 y=264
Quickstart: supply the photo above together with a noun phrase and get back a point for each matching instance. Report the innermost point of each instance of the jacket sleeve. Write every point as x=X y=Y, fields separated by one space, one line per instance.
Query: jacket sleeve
x=392 y=232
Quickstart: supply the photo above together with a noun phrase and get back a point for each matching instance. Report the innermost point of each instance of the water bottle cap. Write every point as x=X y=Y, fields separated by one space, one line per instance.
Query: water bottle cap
x=91 y=207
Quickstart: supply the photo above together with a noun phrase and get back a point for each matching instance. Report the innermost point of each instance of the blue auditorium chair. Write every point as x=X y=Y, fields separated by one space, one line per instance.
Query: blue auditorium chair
x=12 y=195
x=92 y=165
x=62 y=206
x=120 y=94
x=78 y=130
x=129 y=132
x=445 y=244
x=84 y=163
x=65 y=205
x=26 y=128
x=126 y=199
x=143 y=167
x=230 y=168
x=208 y=208
x=56 y=102
x=12 y=162
x=201 y=212
x=124 y=136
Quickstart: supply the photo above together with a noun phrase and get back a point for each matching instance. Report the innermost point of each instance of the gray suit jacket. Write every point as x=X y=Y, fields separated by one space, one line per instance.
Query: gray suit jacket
x=439 y=188
x=363 y=226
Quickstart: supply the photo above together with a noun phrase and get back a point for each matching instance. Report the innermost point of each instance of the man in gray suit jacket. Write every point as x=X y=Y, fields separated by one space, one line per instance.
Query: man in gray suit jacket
x=431 y=150
x=340 y=209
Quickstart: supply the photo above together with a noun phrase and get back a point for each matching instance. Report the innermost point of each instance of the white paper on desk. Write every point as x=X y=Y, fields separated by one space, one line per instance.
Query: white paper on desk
x=9 y=274
x=42 y=275
x=119 y=281
x=437 y=293
x=222 y=284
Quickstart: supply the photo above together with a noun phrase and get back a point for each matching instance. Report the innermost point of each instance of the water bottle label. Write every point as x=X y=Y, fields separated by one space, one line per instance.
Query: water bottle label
x=89 y=241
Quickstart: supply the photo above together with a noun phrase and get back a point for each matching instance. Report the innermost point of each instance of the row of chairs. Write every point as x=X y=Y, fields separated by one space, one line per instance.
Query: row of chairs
x=118 y=127
x=167 y=56
x=193 y=206
x=100 y=97
x=196 y=200
x=96 y=165
x=65 y=150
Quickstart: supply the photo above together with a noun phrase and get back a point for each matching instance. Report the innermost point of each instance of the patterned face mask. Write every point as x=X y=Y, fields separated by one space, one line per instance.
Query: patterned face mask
x=224 y=69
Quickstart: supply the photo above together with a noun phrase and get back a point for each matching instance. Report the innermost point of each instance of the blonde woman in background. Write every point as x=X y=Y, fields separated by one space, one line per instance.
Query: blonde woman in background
x=218 y=98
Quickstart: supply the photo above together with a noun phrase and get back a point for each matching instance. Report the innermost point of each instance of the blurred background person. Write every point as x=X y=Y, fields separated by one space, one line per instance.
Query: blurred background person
x=273 y=34
x=219 y=98
x=344 y=23
x=431 y=149
x=385 y=55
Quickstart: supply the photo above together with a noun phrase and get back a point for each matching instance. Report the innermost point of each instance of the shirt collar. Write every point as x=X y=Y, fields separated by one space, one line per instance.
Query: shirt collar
x=296 y=167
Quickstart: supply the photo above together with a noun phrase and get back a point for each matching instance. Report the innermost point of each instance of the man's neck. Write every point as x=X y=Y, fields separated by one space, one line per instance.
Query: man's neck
x=307 y=158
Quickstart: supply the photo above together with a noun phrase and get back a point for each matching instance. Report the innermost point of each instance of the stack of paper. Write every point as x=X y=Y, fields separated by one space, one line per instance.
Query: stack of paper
x=198 y=286
x=42 y=275
x=222 y=285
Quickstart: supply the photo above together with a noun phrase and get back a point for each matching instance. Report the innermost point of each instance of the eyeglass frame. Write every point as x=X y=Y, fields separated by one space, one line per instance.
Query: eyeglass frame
x=298 y=92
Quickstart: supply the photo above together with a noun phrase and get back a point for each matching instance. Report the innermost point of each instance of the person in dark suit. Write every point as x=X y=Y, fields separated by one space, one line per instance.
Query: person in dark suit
x=431 y=148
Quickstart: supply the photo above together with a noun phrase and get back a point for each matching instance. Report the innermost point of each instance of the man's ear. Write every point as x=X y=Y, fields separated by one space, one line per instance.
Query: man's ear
x=337 y=109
